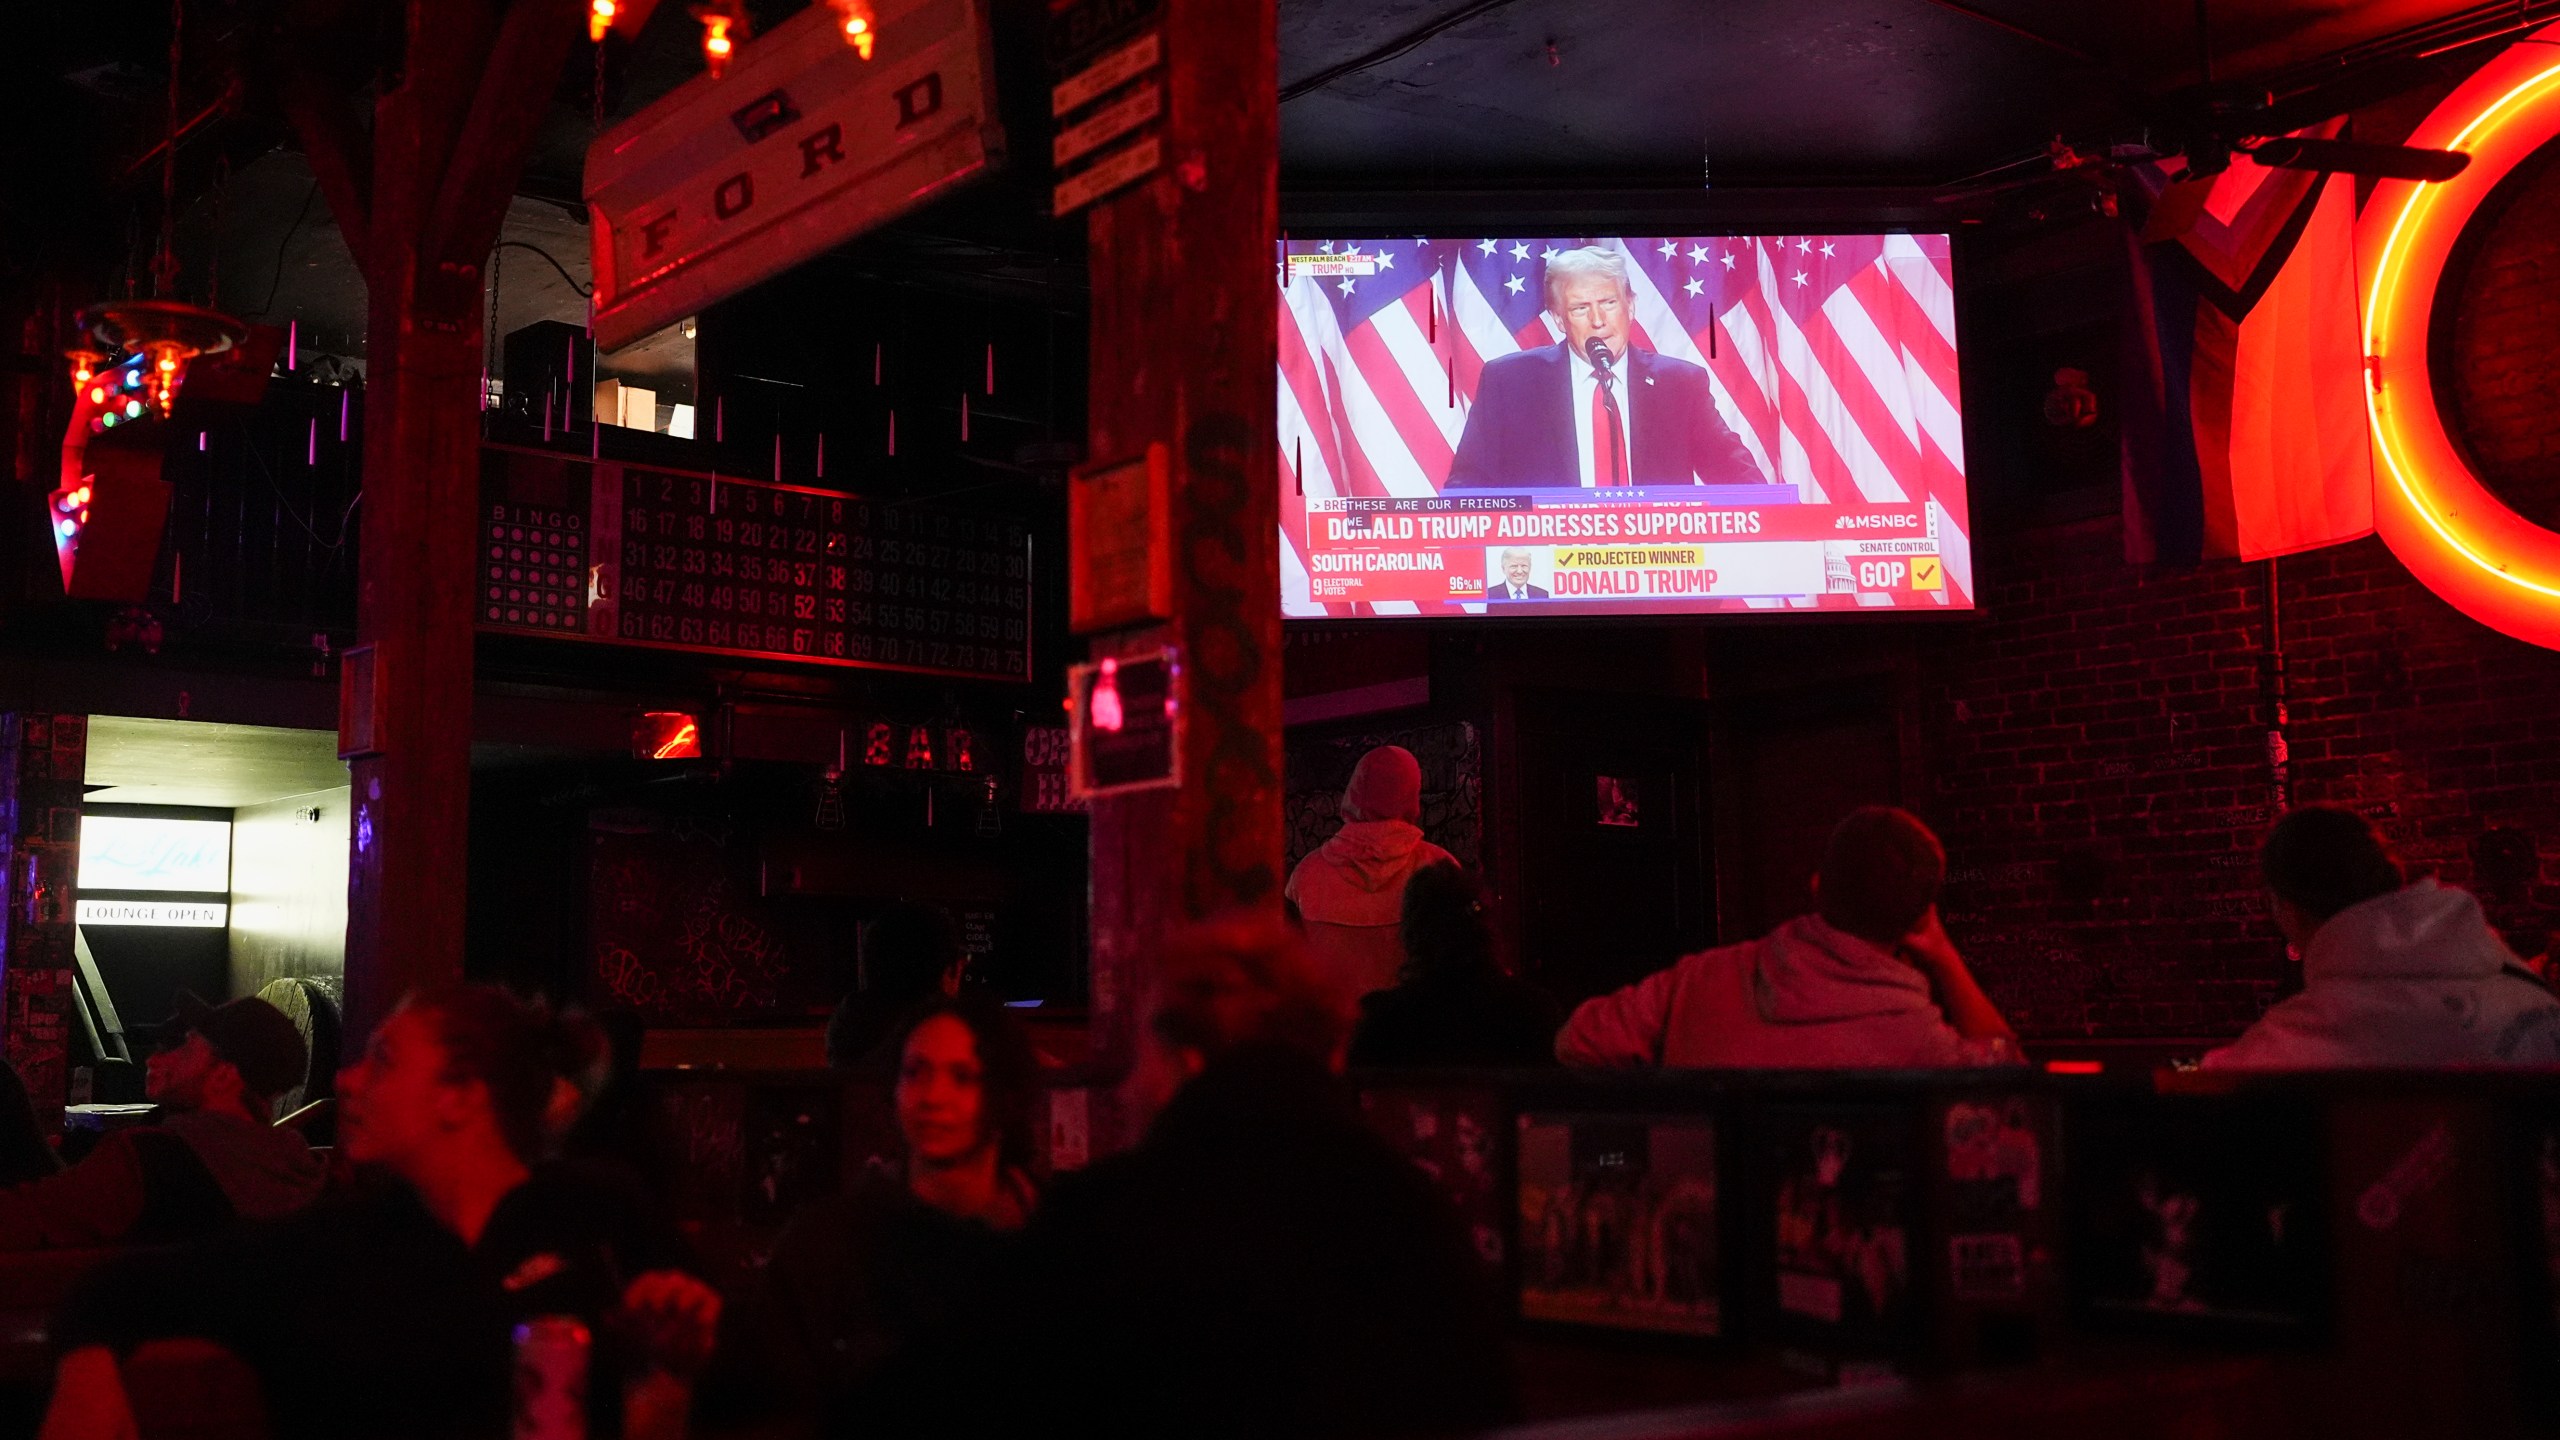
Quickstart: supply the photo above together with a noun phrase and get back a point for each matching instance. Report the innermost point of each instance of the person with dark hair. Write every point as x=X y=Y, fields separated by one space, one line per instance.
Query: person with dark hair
x=2393 y=973
x=1870 y=979
x=1261 y=1264
x=390 y=1311
x=216 y=1155
x=1453 y=1004
x=1349 y=892
x=856 y=1279
x=910 y=954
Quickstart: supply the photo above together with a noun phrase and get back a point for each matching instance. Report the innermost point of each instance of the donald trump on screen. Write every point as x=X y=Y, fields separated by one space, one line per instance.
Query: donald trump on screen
x=1592 y=410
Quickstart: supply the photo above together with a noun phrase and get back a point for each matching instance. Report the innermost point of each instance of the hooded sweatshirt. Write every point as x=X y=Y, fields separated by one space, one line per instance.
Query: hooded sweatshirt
x=1351 y=894
x=2414 y=978
x=264 y=1171
x=1806 y=995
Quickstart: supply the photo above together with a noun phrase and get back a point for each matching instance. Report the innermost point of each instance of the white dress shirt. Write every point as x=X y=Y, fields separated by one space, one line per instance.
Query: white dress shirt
x=1586 y=450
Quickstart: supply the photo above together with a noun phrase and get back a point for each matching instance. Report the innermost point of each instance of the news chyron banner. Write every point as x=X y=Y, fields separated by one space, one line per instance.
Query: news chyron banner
x=1643 y=545
x=1620 y=425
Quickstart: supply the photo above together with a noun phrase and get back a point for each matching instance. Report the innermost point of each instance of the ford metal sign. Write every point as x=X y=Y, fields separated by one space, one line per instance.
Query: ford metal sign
x=799 y=147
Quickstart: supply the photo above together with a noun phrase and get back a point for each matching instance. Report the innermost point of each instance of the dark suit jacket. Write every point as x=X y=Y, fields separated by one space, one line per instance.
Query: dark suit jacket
x=1501 y=592
x=1520 y=433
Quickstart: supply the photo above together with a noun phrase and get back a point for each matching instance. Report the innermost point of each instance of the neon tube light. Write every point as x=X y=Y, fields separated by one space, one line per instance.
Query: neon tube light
x=2443 y=524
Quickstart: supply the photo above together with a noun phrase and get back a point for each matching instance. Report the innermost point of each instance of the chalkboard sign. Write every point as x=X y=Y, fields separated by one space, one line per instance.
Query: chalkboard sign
x=680 y=560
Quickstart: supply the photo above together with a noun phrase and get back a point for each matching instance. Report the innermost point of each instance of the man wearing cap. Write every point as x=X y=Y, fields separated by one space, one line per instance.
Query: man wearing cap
x=213 y=1157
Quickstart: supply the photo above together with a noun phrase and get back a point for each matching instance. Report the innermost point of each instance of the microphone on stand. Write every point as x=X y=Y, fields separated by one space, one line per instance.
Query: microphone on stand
x=1602 y=357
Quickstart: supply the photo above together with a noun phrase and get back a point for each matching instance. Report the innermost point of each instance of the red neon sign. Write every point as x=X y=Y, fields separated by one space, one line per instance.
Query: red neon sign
x=2456 y=537
x=666 y=735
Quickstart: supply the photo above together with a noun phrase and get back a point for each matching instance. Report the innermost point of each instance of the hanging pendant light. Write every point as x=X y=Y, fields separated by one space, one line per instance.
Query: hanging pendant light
x=724 y=27
x=85 y=361
x=168 y=334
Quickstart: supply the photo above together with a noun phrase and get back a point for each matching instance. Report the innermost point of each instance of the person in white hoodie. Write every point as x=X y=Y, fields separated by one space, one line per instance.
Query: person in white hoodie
x=1350 y=892
x=2393 y=973
x=1869 y=980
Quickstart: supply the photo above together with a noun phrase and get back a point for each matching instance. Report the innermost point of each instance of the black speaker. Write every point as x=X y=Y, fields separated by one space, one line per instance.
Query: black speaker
x=549 y=375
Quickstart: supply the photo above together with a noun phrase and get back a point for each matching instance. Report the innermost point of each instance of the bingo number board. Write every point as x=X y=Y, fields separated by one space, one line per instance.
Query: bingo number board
x=674 y=560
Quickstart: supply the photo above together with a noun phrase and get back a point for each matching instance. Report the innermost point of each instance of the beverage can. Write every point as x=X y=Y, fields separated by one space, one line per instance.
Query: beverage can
x=551 y=1379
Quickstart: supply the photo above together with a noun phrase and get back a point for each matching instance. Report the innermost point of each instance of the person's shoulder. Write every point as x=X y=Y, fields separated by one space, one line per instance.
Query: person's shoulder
x=2531 y=1035
x=1308 y=863
x=1385 y=1004
x=1114 y=1194
x=1671 y=370
x=1426 y=854
x=1385 y=1017
x=1525 y=362
x=1717 y=958
x=1526 y=997
x=2300 y=1031
x=832 y=1224
x=590 y=1182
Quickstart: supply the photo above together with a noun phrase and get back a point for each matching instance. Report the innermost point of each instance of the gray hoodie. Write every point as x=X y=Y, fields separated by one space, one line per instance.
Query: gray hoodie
x=2414 y=978
x=1350 y=892
x=1806 y=995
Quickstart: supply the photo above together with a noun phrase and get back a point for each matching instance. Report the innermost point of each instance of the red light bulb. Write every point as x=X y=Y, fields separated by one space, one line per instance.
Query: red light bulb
x=861 y=28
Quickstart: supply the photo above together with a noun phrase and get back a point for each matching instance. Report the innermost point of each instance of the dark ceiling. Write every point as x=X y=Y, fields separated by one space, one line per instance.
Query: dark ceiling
x=1766 y=92
x=1385 y=99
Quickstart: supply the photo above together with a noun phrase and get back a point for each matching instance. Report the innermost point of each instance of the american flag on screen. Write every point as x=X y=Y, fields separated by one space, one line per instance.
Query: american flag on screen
x=1832 y=356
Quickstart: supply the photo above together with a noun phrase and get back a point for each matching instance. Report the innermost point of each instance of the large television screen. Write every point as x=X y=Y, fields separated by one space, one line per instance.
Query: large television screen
x=1623 y=425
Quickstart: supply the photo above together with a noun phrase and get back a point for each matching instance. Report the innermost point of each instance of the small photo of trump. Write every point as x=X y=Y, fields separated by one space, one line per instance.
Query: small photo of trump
x=1517 y=573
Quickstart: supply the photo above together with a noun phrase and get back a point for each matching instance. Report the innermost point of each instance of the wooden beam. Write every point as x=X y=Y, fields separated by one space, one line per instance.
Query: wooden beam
x=427 y=190
x=506 y=111
x=1185 y=343
x=341 y=155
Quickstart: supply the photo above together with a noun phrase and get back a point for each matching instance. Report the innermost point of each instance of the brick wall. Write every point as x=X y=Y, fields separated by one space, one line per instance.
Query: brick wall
x=2096 y=747
x=2501 y=378
x=2097 y=759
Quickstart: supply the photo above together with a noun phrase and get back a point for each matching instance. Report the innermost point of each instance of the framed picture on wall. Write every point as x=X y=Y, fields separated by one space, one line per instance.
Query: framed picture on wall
x=1618 y=806
x=1618 y=1222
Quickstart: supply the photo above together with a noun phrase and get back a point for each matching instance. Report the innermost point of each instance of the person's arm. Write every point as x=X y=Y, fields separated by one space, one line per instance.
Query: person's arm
x=1482 y=444
x=675 y=1318
x=1622 y=1031
x=95 y=1202
x=1969 y=1012
x=2295 y=1034
x=1718 y=453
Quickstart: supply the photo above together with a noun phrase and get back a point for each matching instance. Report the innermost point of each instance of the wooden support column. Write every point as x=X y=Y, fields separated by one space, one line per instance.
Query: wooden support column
x=420 y=200
x=1185 y=339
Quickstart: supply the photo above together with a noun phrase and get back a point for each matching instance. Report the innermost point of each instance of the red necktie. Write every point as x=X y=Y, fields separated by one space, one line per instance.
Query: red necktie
x=1608 y=434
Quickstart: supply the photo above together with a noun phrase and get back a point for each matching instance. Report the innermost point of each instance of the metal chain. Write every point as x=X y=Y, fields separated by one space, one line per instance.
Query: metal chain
x=164 y=266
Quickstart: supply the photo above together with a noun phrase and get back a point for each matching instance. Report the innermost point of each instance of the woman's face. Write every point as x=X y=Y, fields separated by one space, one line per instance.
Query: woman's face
x=942 y=1093
x=395 y=1104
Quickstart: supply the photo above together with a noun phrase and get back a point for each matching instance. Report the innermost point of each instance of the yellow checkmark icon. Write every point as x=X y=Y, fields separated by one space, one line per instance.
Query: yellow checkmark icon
x=1927 y=574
